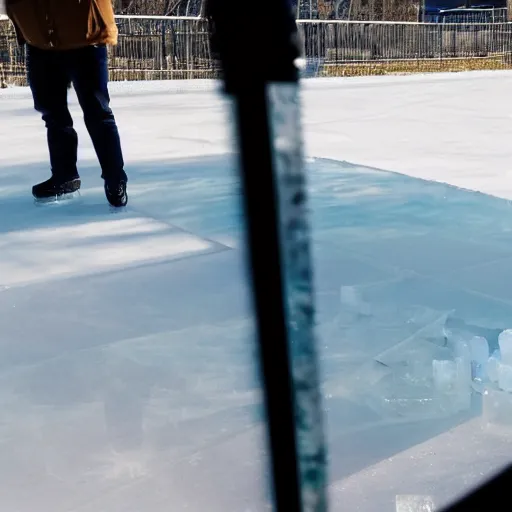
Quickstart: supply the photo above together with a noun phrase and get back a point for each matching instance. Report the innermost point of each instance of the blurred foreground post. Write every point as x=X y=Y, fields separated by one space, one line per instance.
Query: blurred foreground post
x=258 y=54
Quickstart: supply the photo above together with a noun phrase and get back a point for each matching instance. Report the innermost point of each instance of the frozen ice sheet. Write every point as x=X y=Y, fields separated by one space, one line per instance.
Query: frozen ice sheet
x=125 y=381
x=134 y=380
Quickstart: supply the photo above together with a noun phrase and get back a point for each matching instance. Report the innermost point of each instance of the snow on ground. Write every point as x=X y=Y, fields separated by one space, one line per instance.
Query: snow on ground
x=126 y=349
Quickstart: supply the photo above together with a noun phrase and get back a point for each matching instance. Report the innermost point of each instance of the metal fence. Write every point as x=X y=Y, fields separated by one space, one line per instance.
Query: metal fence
x=153 y=48
x=359 y=41
x=12 y=56
x=162 y=48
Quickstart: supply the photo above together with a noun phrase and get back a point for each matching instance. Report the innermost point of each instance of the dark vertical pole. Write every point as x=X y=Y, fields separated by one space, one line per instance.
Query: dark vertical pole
x=163 y=51
x=269 y=299
x=257 y=52
x=238 y=35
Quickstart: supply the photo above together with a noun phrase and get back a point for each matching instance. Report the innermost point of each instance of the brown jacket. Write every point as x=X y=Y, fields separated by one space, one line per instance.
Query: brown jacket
x=63 y=24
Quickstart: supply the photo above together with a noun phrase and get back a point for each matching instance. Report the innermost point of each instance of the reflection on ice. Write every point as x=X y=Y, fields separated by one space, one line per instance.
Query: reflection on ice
x=497 y=408
x=139 y=398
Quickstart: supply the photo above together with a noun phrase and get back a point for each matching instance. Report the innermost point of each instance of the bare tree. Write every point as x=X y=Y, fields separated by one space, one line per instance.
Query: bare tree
x=383 y=10
x=159 y=7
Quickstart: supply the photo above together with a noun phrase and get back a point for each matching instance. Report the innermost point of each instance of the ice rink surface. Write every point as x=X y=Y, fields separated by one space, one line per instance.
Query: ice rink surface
x=127 y=370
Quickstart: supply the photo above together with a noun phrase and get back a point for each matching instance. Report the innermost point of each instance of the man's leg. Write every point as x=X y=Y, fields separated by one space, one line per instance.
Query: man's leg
x=89 y=73
x=48 y=82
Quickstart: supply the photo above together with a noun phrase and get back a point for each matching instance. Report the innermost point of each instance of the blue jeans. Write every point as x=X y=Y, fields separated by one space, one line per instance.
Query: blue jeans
x=49 y=75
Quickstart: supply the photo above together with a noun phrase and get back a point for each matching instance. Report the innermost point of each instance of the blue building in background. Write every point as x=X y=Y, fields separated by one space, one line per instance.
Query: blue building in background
x=460 y=11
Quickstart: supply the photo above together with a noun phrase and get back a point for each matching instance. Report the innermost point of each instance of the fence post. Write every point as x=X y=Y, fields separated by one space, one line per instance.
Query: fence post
x=163 y=63
x=440 y=37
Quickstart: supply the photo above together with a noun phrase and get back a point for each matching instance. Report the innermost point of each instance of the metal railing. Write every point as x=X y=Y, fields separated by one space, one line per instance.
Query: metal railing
x=12 y=56
x=159 y=47
x=153 y=48
x=367 y=41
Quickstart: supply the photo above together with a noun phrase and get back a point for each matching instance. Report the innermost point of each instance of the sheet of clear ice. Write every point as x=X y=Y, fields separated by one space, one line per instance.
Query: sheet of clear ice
x=126 y=344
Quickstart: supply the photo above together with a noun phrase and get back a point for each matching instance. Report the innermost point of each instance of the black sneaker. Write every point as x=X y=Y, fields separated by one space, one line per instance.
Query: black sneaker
x=55 y=189
x=116 y=194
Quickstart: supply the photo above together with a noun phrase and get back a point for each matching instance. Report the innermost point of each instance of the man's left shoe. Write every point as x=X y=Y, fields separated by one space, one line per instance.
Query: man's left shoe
x=55 y=189
x=116 y=193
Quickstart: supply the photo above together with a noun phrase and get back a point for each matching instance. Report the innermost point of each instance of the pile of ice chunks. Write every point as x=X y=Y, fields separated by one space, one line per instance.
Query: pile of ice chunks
x=439 y=381
x=428 y=363
x=417 y=393
x=487 y=369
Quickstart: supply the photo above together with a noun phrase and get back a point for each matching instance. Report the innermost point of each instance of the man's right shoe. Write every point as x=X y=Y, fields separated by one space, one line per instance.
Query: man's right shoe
x=116 y=193
x=55 y=189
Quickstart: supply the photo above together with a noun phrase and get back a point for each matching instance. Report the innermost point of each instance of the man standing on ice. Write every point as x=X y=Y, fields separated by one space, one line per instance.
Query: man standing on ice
x=66 y=43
